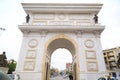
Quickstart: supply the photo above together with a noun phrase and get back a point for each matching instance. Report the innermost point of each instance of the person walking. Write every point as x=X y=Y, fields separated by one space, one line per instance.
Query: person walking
x=70 y=77
x=108 y=78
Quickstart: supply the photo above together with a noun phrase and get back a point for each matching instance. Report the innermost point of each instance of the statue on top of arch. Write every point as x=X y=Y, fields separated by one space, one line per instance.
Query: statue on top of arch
x=95 y=19
x=3 y=60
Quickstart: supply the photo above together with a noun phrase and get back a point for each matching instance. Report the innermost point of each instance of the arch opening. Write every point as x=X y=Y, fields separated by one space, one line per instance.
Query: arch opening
x=59 y=58
x=58 y=44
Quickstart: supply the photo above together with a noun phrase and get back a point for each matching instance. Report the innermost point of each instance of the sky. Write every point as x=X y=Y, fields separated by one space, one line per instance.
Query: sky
x=12 y=15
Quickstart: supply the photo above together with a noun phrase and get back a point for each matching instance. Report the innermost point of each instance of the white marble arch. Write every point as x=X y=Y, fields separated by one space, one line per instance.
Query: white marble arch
x=62 y=41
x=59 y=25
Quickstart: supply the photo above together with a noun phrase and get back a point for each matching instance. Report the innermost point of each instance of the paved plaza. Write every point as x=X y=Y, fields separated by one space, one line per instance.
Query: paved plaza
x=59 y=78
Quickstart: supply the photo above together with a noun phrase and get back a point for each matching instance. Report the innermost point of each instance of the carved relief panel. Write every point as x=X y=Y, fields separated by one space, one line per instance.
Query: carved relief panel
x=29 y=65
x=89 y=43
x=33 y=43
x=91 y=59
x=61 y=19
x=31 y=54
x=92 y=66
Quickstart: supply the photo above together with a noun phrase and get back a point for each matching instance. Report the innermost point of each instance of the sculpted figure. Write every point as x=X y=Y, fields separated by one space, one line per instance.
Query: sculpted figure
x=27 y=18
x=95 y=18
x=3 y=60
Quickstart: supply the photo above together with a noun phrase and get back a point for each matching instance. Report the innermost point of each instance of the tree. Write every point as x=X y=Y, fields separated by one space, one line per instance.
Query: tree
x=11 y=65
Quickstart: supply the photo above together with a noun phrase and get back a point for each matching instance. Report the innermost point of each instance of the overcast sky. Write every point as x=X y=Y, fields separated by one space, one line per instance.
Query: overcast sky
x=12 y=15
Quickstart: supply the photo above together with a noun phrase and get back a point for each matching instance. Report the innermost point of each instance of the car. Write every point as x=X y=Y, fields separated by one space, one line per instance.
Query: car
x=11 y=76
x=102 y=78
x=113 y=78
x=4 y=76
x=14 y=76
x=65 y=76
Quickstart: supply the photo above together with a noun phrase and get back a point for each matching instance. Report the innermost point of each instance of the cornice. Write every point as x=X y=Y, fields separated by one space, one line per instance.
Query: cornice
x=61 y=28
x=61 y=7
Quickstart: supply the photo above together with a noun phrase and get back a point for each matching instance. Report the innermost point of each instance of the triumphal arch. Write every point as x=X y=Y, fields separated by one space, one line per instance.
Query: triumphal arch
x=52 y=26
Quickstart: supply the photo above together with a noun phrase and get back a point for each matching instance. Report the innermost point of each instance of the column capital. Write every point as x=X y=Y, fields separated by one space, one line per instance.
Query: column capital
x=43 y=33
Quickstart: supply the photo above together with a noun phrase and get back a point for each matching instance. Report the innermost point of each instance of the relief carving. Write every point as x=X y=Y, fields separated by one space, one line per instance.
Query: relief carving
x=89 y=43
x=29 y=65
x=44 y=17
x=33 y=43
x=61 y=16
x=31 y=54
x=39 y=22
x=79 y=16
x=61 y=23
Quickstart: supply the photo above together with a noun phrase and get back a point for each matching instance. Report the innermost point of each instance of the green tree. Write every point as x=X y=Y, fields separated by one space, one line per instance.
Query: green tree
x=11 y=65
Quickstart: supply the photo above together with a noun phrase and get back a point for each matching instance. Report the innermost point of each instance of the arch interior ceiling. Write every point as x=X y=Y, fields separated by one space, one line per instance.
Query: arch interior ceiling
x=60 y=43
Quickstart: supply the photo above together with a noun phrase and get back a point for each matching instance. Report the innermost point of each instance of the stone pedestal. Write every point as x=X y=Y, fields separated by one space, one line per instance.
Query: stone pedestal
x=4 y=69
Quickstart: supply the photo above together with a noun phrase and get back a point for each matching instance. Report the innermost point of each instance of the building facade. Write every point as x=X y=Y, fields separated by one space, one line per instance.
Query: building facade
x=68 y=67
x=111 y=58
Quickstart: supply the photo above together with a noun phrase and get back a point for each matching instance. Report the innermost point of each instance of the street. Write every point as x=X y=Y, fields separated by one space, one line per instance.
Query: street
x=59 y=78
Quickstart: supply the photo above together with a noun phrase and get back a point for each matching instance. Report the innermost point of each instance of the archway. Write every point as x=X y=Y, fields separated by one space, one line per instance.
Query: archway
x=60 y=41
x=59 y=58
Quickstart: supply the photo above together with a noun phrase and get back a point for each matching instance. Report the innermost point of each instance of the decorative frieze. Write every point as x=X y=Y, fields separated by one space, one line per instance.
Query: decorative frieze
x=79 y=16
x=43 y=33
x=43 y=16
x=61 y=16
x=79 y=33
x=61 y=23
x=61 y=19
x=39 y=22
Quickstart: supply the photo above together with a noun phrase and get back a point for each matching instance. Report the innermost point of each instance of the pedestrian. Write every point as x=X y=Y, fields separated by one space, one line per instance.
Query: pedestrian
x=70 y=77
x=18 y=77
x=101 y=78
x=108 y=78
